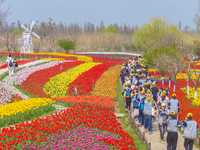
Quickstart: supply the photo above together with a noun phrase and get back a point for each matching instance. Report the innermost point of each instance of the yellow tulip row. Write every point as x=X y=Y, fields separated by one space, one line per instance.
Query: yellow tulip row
x=22 y=106
x=179 y=76
x=196 y=101
x=52 y=59
x=106 y=85
x=151 y=70
x=80 y=57
x=58 y=85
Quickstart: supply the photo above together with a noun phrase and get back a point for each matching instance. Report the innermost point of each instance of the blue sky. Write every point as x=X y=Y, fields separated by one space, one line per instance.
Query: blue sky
x=109 y=11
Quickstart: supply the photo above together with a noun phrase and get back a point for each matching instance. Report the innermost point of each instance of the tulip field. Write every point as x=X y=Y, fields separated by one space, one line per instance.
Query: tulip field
x=89 y=121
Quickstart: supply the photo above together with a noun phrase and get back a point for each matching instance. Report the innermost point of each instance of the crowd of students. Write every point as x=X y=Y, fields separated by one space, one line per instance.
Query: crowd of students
x=141 y=94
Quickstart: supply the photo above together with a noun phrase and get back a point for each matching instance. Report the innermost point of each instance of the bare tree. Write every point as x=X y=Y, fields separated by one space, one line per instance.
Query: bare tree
x=3 y=14
x=8 y=39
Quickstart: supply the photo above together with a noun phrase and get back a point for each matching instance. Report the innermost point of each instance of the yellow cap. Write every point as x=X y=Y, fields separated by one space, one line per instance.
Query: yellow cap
x=131 y=65
x=147 y=83
x=136 y=74
x=174 y=95
x=189 y=115
x=164 y=91
x=131 y=74
x=172 y=113
x=132 y=70
x=148 y=91
x=128 y=83
x=142 y=92
x=163 y=105
x=153 y=84
x=152 y=77
x=148 y=95
x=142 y=65
x=148 y=98
x=129 y=77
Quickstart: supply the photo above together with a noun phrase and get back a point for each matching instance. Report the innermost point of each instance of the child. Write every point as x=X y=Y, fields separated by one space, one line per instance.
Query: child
x=127 y=95
x=172 y=134
x=190 y=132
x=162 y=121
x=15 y=66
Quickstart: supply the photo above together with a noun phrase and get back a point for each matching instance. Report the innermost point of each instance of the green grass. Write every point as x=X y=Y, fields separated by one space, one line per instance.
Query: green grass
x=126 y=124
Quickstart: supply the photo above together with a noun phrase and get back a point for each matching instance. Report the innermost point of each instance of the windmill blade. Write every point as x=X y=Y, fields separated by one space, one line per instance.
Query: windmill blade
x=36 y=35
x=32 y=24
x=24 y=27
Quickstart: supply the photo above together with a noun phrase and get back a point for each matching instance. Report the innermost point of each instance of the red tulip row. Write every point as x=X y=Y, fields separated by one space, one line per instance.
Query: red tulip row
x=78 y=115
x=185 y=104
x=36 y=81
x=19 y=63
x=85 y=82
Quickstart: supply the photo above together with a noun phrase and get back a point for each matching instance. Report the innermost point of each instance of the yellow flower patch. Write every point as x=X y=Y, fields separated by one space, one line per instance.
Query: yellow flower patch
x=106 y=85
x=179 y=76
x=80 y=57
x=58 y=85
x=196 y=101
x=151 y=70
x=22 y=106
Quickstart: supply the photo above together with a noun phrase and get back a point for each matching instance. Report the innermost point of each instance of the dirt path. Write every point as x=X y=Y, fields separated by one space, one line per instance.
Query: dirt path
x=154 y=138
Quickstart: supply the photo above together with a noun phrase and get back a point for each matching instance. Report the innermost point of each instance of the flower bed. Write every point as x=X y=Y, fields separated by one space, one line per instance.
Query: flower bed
x=106 y=85
x=22 y=110
x=5 y=94
x=19 y=63
x=79 y=137
x=85 y=82
x=91 y=100
x=102 y=119
x=36 y=81
x=58 y=85
x=22 y=75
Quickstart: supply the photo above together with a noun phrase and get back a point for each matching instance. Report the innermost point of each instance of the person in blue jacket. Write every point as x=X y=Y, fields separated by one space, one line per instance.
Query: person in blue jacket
x=172 y=132
x=141 y=108
x=190 y=132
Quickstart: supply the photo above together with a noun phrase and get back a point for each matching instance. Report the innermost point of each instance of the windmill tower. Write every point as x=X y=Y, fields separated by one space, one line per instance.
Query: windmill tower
x=25 y=42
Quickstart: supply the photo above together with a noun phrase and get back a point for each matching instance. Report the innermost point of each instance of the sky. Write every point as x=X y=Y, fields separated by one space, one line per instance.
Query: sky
x=109 y=11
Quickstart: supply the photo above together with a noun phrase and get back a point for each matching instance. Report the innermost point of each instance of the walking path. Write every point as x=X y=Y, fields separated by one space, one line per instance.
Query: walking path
x=154 y=138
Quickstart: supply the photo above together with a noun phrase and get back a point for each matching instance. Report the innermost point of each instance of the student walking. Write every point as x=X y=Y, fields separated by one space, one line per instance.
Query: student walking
x=15 y=66
x=10 y=65
x=148 y=114
x=190 y=132
x=127 y=95
x=162 y=121
x=172 y=133
x=173 y=104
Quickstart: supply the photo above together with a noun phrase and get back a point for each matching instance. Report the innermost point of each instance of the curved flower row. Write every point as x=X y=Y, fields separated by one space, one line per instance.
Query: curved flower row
x=21 y=110
x=58 y=85
x=36 y=81
x=106 y=85
x=22 y=75
x=52 y=59
x=86 y=80
x=5 y=94
x=91 y=100
x=80 y=58
x=22 y=106
x=36 y=132
x=79 y=137
x=19 y=63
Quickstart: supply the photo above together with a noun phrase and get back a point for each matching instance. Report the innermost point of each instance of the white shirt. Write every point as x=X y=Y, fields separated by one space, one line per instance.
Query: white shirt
x=9 y=59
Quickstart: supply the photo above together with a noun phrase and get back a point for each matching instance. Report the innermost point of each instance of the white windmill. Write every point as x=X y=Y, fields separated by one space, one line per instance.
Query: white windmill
x=25 y=42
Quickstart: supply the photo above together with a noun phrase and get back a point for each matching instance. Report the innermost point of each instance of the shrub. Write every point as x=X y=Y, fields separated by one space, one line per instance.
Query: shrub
x=67 y=44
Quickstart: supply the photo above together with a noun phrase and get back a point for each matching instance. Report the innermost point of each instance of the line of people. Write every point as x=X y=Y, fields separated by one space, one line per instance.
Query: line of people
x=149 y=102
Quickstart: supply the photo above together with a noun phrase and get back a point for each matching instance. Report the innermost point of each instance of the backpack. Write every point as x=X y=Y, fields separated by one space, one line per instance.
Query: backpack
x=128 y=94
x=10 y=63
